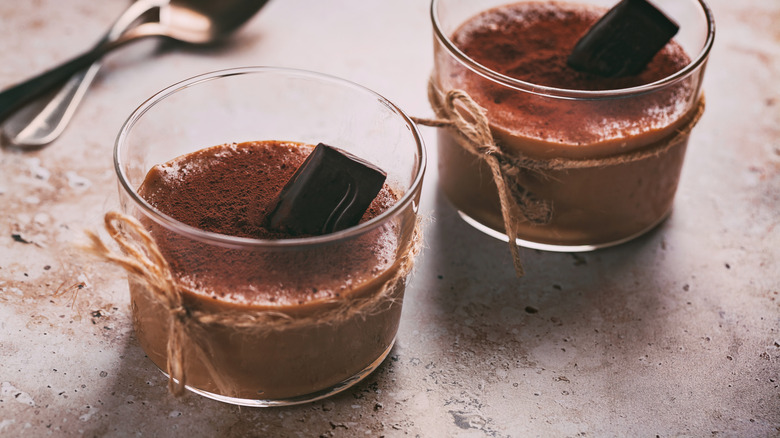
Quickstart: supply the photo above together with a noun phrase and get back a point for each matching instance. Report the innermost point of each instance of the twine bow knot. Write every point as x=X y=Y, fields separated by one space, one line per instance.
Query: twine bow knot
x=142 y=259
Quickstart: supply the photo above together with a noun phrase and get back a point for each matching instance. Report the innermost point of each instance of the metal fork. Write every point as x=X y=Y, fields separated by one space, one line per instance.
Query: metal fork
x=40 y=123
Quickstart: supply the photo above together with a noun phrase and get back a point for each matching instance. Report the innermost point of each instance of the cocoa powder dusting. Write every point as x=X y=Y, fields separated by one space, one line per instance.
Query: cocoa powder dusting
x=530 y=41
x=226 y=189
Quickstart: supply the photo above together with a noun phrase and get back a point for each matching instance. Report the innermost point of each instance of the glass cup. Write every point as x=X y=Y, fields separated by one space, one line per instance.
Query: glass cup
x=265 y=354
x=623 y=148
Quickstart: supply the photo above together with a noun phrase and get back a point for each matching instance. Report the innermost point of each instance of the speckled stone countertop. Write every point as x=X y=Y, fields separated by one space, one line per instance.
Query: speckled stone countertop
x=674 y=334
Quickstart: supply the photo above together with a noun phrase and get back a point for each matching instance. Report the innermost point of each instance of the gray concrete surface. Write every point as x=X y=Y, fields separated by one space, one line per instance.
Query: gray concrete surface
x=674 y=334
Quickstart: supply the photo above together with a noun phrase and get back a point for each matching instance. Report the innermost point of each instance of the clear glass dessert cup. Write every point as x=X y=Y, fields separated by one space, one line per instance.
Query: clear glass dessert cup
x=302 y=351
x=618 y=198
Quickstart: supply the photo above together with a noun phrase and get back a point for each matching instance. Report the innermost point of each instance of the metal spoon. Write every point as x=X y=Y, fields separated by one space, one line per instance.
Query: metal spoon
x=41 y=122
x=188 y=21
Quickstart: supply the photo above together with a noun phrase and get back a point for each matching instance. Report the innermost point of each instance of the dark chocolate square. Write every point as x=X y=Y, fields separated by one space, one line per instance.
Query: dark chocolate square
x=623 y=41
x=330 y=191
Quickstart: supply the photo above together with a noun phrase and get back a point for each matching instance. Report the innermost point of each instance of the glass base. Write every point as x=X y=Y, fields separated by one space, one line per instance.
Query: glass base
x=301 y=399
x=555 y=247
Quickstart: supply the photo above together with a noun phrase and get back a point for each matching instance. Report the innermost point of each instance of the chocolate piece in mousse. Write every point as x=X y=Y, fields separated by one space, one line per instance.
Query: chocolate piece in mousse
x=623 y=41
x=330 y=191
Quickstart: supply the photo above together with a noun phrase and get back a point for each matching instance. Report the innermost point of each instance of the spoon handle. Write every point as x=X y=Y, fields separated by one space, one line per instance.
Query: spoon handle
x=14 y=97
x=37 y=125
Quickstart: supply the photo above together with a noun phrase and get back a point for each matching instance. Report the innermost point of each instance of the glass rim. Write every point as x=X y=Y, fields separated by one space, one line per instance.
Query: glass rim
x=567 y=93
x=235 y=241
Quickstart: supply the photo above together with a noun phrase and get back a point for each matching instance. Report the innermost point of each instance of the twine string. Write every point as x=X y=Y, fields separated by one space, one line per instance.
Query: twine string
x=470 y=126
x=142 y=259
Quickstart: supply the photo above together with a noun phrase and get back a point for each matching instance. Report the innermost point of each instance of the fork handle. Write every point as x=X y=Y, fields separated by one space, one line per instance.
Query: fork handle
x=39 y=124
x=14 y=97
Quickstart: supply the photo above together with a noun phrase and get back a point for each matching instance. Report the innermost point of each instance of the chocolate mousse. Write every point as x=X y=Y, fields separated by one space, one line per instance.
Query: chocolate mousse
x=598 y=204
x=320 y=314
